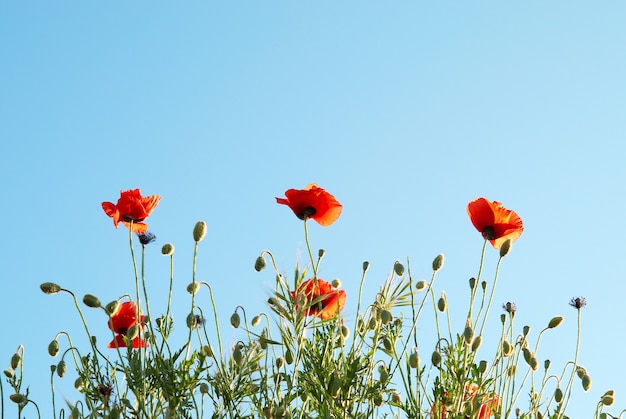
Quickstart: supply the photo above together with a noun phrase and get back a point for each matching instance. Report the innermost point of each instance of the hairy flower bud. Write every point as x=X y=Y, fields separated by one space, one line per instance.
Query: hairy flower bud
x=414 y=359
x=199 y=231
x=61 y=368
x=204 y=388
x=398 y=268
x=476 y=343
x=505 y=247
x=235 y=320
x=507 y=349
x=259 y=264
x=111 y=307
x=50 y=288
x=435 y=358
x=555 y=322
x=586 y=382
x=192 y=321
x=336 y=283
x=79 y=384
x=442 y=303
x=468 y=334
x=280 y=362
x=16 y=359
x=387 y=343
x=386 y=317
x=91 y=301
x=421 y=285
x=345 y=332
x=546 y=364
x=167 y=249
x=256 y=320
x=289 y=356
x=396 y=398
x=17 y=398
x=581 y=372
x=237 y=355
x=558 y=395
x=437 y=262
x=53 y=348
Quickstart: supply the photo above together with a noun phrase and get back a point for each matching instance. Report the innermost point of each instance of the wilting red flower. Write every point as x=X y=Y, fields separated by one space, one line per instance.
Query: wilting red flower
x=312 y=202
x=487 y=409
x=321 y=298
x=123 y=318
x=131 y=207
x=494 y=222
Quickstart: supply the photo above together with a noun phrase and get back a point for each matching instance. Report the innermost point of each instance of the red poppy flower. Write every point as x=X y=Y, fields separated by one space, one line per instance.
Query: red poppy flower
x=494 y=222
x=312 y=202
x=321 y=298
x=124 y=317
x=131 y=207
x=487 y=409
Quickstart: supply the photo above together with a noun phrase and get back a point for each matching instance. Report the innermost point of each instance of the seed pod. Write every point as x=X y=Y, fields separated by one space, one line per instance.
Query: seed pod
x=167 y=249
x=366 y=265
x=482 y=366
x=336 y=283
x=505 y=248
x=526 y=330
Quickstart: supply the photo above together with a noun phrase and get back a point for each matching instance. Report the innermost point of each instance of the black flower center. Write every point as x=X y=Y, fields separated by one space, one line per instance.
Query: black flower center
x=307 y=213
x=489 y=233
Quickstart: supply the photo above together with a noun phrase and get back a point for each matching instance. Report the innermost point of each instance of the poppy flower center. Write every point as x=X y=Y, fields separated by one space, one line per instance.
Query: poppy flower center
x=122 y=331
x=128 y=218
x=489 y=233
x=307 y=213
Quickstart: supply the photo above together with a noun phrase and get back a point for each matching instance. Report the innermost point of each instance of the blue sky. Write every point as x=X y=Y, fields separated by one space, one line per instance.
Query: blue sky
x=405 y=111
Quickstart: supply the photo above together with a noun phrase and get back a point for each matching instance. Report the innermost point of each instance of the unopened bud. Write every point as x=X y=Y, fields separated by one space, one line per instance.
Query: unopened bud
x=437 y=262
x=50 y=288
x=199 y=231
x=558 y=395
x=436 y=358
x=79 y=384
x=280 y=362
x=345 y=332
x=581 y=372
x=289 y=357
x=111 y=307
x=586 y=382
x=505 y=248
x=527 y=355
x=204 y=388
x=17 y=398
x=383 y=373
x=9 y=373
x=91 y=301
x=534 y=364
x=476 y=343
x=607 y=400
x=235 y=320
x=259 y=264
x=132 y=332
x=468 y=334
x=193 y=287
x=192 y=321
x=396 y=398
x=386 y=317
x=387 y=343
x=414 y=359
x=482 y=366
x=398 y=268
x=167 y=249
x=16 y=359
x=421 y=285
x=441 y=303
x=53 y=348
x=207 y=350
x=256 y=320
x=237 y=355
x=61 y=368
x=555 y=322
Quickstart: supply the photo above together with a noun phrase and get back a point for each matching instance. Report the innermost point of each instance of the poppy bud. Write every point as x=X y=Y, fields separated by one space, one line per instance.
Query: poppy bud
x=441 y=303
x=507 y=349
x=132 y=332
x=259 y=264
x=505 y=248
x=193 y=287
x=204 y=388
x=9 y=373
x=555 y=322
x=17 y=398
x=534 y=364
x=527 y=355
x=199 y=231
x=421 y=285
x=237 y=355
x=50 y=288
x=91 y=301
x=387 y=343
x=366 y=265
x=476 y=343
x=192 y=321
x=289 y=356
x=53 y=348
x=482 y=366
x=16 y=359
x=167 y=249
x=437 y=262
x=581 y=372
x=235 y=320
x=61 y=368
x=586 y=382
x=345 y=332
x=336 y=283
x=280 y=362
x=435 y=358
x=383 y=373
x=79 y=384
x=398 y=268
x=386 y=316
x=607 y=400
x=468 y=334
x=256 y=320
x=372 y=324
x=558 y=395
x=414 y=359
x=526 y=330
x=396 y=398
x=378 y=399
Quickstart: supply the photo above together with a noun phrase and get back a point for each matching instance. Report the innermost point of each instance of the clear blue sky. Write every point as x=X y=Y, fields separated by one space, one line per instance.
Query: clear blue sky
x=405 y=111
